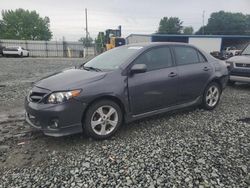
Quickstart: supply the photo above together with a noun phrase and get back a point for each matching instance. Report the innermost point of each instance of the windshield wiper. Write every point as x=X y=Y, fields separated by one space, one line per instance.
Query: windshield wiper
x=92 y=68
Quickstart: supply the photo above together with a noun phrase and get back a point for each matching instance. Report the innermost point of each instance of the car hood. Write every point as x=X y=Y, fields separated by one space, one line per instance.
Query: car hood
x=240 y=59
x=69 y=79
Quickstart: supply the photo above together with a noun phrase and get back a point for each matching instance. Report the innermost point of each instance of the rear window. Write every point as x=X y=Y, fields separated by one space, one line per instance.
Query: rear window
x=11 y=48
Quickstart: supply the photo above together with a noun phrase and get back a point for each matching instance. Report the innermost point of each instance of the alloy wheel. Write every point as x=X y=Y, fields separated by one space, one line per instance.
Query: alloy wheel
x=212 y=96
x=104 y=120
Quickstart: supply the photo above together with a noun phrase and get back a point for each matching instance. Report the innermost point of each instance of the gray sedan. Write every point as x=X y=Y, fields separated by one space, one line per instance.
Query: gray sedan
x=125 y=84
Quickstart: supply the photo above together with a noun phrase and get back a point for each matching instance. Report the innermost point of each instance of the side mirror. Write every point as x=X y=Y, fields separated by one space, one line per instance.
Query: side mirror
x=138 y=68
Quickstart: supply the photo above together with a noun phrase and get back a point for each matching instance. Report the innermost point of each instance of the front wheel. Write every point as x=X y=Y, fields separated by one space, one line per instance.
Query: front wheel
x=211 y=96
x=102 y=119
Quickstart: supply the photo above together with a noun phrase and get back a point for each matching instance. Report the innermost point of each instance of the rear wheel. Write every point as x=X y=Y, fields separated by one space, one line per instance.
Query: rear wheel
x=211 y=96
x=102 y=119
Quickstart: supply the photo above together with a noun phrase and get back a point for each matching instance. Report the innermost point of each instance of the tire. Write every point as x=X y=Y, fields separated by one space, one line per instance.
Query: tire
x=97 y=123
x=28 y=54
x=211 y=96
x=21 y=55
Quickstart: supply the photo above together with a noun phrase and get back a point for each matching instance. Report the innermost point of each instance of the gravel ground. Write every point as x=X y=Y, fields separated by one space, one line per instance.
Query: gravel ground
x=187 y=148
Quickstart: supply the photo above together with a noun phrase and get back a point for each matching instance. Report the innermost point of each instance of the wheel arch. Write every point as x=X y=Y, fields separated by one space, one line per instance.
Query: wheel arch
x=218 y=81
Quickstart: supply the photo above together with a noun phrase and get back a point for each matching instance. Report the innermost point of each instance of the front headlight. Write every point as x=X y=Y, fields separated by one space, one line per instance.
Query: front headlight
x=59 y=97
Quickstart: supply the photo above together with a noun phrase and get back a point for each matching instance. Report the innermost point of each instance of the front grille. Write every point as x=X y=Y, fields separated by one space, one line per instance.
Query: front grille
x=242 y=65
x=36 y=96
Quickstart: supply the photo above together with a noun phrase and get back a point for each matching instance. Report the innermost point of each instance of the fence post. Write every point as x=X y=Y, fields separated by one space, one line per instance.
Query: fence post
x=56 y=49
x=64 y=49
x=26 y=44
x=46 y=48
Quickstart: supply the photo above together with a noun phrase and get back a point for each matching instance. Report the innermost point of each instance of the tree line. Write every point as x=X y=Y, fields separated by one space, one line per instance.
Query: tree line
x=23 y=24
x=219 y=23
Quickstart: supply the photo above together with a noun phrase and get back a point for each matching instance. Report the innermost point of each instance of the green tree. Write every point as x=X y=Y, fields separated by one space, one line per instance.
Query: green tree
x=188 y=30
x=86 y=42
x=226 y=23
x=24 y=25
x=100 y=42
x=172 y=25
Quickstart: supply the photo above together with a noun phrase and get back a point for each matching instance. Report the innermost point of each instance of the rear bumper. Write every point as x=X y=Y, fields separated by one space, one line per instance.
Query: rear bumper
x=55 y=120
x=11 y=53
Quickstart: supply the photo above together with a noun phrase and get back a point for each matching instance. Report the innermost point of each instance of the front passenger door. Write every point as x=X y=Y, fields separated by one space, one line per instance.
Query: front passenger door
x=156 y=88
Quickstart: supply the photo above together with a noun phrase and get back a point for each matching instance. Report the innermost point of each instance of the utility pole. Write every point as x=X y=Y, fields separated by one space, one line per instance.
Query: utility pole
x=87 y=33
x=203 y=25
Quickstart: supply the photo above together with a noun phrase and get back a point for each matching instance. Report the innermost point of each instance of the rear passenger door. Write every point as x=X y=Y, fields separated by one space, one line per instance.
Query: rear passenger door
x=194 y=72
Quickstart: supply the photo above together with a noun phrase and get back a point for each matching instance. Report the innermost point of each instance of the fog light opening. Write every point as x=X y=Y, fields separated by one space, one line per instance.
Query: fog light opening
x=54 y=124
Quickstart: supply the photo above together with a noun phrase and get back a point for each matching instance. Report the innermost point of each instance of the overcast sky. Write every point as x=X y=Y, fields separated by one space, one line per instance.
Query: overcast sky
x=136 y=16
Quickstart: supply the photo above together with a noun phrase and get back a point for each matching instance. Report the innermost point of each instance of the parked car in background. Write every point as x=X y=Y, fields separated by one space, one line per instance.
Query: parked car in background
x=1 y=49
x=125 y=84
x=231 y=51
x=218 y=55
x=240 y=67
x=15 y=51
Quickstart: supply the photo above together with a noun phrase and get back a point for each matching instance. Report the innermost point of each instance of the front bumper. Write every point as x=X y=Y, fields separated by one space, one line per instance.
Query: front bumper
x=240 y=78
x=240 y=75
x=56 y=119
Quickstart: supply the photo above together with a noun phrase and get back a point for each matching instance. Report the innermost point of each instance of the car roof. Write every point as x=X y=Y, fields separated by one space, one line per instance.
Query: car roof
x=13 y=46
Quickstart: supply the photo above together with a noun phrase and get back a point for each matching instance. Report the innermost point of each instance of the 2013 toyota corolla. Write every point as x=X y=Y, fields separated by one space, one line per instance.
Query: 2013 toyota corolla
x=122 y=85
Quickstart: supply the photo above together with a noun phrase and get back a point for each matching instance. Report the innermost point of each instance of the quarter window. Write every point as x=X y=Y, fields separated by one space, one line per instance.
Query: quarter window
x=201 y=57
x=186 y=55
x=156 y=58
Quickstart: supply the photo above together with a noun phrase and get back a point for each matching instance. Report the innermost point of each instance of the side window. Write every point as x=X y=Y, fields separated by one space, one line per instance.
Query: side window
x=186 y=55
x=202 y=59
x=156 y=58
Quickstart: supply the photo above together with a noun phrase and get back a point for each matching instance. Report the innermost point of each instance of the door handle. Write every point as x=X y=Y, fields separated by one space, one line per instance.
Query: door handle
x=206 y=69
x=172 y=74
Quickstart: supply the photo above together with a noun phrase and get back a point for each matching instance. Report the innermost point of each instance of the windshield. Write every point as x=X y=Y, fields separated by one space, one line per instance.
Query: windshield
x=246 y=51
x=112 y=59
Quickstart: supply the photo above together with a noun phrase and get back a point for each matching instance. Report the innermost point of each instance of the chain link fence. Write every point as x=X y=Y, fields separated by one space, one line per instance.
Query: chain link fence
x=52 y=48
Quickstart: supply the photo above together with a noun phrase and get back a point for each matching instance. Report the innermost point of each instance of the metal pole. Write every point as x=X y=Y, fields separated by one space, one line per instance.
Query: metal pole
x=203 y=25
x=86 y=17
